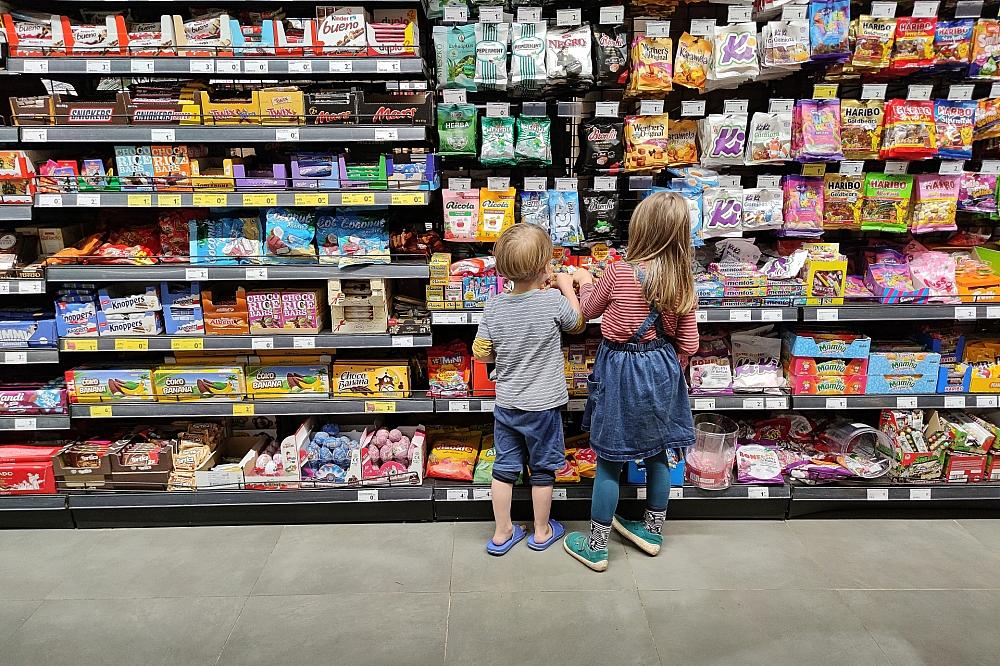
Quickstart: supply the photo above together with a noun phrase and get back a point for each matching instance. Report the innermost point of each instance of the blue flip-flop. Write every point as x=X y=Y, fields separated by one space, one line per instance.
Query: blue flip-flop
x=557 y=533
x=494 y=549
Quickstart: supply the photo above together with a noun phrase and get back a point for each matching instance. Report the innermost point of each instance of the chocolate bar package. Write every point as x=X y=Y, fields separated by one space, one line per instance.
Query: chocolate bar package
x=600 y=215
x=395 y=109
x=330 y=108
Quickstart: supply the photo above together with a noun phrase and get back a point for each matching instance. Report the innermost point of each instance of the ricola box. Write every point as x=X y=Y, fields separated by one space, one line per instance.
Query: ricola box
x=107 y=383
x=395 y=109
x=288 y=381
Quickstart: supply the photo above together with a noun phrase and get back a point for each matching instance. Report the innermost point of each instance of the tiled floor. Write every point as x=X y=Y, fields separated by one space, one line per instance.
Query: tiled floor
x=801 y=592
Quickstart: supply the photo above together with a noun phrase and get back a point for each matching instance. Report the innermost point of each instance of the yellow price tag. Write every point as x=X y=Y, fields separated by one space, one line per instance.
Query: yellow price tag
x=140 y=200
x=79 y=345
x=358 y=199
x=131 y=344
x=814 y=169
x=168 y=200
x=312 y=199
x=260 y=199
x=243 y=409
x=208 y=200
x=380 y=406
x=825 y=91
x=407 y=199
x=187 y=344
x=100 y=411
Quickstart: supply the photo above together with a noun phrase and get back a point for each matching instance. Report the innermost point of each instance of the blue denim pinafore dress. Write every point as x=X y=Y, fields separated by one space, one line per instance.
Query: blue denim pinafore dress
x=638 y=403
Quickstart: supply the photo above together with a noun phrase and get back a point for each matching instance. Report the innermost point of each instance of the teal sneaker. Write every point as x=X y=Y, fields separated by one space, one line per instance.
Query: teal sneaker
x=577 y=544
x=636 y=532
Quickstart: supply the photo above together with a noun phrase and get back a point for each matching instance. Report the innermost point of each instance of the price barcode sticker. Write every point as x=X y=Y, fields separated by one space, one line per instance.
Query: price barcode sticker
x=918 y=494
x=531 y=14
x=702 y=27
x=873 y=90
x=141 y=66
x=456 y=495
x=736 y=106
x=491 y=14
x=262 y=343
x=92 y=200
x=187 y=344
x=677 y=493
x=480 y=494
x=924 y=9
x=29 y=423
x=498 y=183
x=195 y=274
x=459 y=184
x=49 y=201
x=852 y=168
x=768 y=181
x=380 y=406
x=965 y=312
x=793 y=12
x=139 y=200
x=131 y=344
x=34 y=134
x=497 y=109
x=701 y=315
x=780 y=105
x=825 y=91
x=535 y=184
x=454 y=96
x=919 y=92
x=814 y=169
x=368 y=495
x=402 y=341
x=738 y=13
x=243 y=409
x=604 y=183
x=960 y=92
x=300 y=67
x=992 y=312
x=458 y=405
x=740 y=315
x=693 y=108
x=702 y=404
x=753 y=403
x=610 y=15
x=36 y=66
x=990 y=166
x=98 y=66
x=457 y=14
x=386 y=134
x=730 y=181
x=568 y=17
x=487 y=405
x=758 y=492
x=657 y=28
x=836 y=403
x=255 y=66
x=100 y=412
x=357 y=199
x=566 y=184
x=559 y=493
x=968 y=8
x=252 y=200
x=906 y=402
x=954 y=401
x=227 y=66
x=640 y=493
x=986 y=401
x=201 y=66
x=776 y=403
x=896 y=167
x=341 y=67
x=606 y=109
x=883 y=9
x=651 y=107
x=288 y=134
x=302 y=342
x=387 y=66
x=951 y=167
x=877 y=494
x=15 y=358
x=202 y=200
x=771 y=315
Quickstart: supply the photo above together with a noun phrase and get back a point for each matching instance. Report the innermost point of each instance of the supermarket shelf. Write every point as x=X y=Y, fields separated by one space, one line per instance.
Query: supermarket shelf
x=933 y=498
x=8 y=135
x=291 y=407
x=736 y=402
x=14 y=212
x=464 y=404
x=448 y=317
x=254 y=199
x=19 y=286
x=713 y=314
x=900 y=312
x=189 y=273
x=25 y=356
x=34 y=512
x=28 y=423
x=220 y=134
x=241 y=342
x=253 y=66
x=925 y=401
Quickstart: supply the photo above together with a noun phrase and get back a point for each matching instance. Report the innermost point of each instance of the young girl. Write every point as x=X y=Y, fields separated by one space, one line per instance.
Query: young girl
x=638 y=404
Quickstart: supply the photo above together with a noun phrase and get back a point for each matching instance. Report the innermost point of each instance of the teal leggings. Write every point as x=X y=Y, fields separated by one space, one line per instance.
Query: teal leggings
x=606 y=481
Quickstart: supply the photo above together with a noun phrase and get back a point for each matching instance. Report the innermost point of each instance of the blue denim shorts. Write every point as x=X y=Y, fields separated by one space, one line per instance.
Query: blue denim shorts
x=535 y=438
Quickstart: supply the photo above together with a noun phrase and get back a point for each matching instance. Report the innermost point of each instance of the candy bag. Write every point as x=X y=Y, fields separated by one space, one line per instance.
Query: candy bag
x=491 y=55
x=600 y=215
x=496 y=213
x=527 y=55
x=977 y=192
x=461 y=214
x=953 y=125
x=785 y=43
x=646 y=140
x=533 y=145
x=829 y=24
x=602 y=146
x=886 y=202
x=953 y=42
x=873 y=45
x=564 y=217
x=985 y=50
x=289 y=235
x=861 y=128
x=535 y=208
x=723 y=211
x=694 y=58
x=353 y=236
x=734 y=49
x=818 y=123
x=770 y=138
x=987 y=119
x=935 y=272
x=611 y=53
x=455 y=52
x=453 y=456
x=758 y=465
x=762 y=208
x=935 y=203
x=723 y=138
x=568 y=473
x=803 y=205
x=914 y=42
x=449 y=369
x=457 y=129
x=586 y=462
x=483 y=473
x=909 y=130
x=568 y=57
x=757 y=360
x=652 y=67
x=498 y=141
x=682 y=136
x=842 y=201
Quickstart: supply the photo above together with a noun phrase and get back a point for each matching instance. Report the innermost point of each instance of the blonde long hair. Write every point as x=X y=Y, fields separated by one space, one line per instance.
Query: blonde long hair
x=659 y=235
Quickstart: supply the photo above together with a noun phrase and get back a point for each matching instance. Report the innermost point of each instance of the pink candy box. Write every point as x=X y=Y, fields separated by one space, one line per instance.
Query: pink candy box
x=892 y=284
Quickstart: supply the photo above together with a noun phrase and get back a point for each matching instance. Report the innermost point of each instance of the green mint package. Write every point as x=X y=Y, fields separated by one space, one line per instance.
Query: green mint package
x=498 y=142
x=456 y=124
x=534 y=144
x=455 y=54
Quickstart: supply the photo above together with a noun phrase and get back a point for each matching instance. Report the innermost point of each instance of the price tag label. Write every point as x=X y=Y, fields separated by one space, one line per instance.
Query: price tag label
x=965 y=312
x=460 y=184
x=402 y=341
x=567 y=17
x=141 y=66
x=131 y=344
x=79 y=345
x=968 y=8
x=255 y=66
x=768 y=181
x=98 y=66
x=452 y=96
x=448 y=318
x=610 y=15
x=651 y=107
x=387 y=66
x=793 y=12
x=730 y=181
x=780 y=105
x=758 y=492
x=559 y=493
x=753 y=403
x=677 y=493
x=300 y=67
x=530 y=14
x=341 y=66
x=640 y=493
x=357 y=199
x=26 y=423
x=873 y=91
x=34 y=134
x=533 y=184
x=368 y=495
x=605 y=183
x=990 y=166
x=456 y=495
x=919 y=92
x=498 y=183
x=639 y=183
x=775 y=403
x=49 y=201
x=852 y=167
x=203 y=200
x=139 y=200
x=896 y=167
x=36 y=66
x=195 y=274
x=836 y=403
x=497 y=109
x=702 y=404
x=201 y=66
x=951 y=167
x=736 y=106
x=165 y=200
x=992 y=312
x=302 y=199
x=380 y=406
x=986 y=401
x=954 y=401
x=227 y=66
x=286 y=134
x=566 y=184
x=918 y=494
x=960 y=92
x=243 y=409
x=877 y=494
x=88 y=200
x=406 y=199
x=700 y=316
x=256 y=273
x=15 y=358
x=771 y=315
x=658 y=28
x=906 y=402
x=187 y=344
x=576 y=405
x=814 y=169
x=386 y=134
x=924 y=9
x=487 y=405
x=825 y=91
x=693 y=108
x=100 y=412
x=479 y=494
x=883 y=9
x=702 y=27
x=251 y=200
x=606 y=109
x=491 y=14
x=458 y=405
x=738 y=13
x=457 y=14
x=740 y=315
x=262 y=343
x=300 y=342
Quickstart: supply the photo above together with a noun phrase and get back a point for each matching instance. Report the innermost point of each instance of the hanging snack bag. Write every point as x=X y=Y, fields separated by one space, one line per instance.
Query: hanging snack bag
x=498 y=141
x=457 y=129
x=496 y=213
x=829 y=26
x=682 y=147
x=842 y=201
x=461 y=214
x=785 y=43
x=953 y=42
x=723 y=211
x=987 y=120
x=914 y=42
x=602 y=146
x=535 y=208
x=564 y=218
x=985 y=50
x=803 y=205
x=977 y=192
x=817 y=122
x=935 y=203
x=455 y=52
x=953 y=125
x=694 y=58
x=527 y=55
x=873 y=45
x=762 y=208
x=723 y=138
x=909 y=130
x=861 y=128
x=646 y=142
x=886 y=202
x=568 y=56
x=600 y=215
x=491 y=55
x=533 y=145
x=734 y=49
x=449 y=369
x=770 y=138
x=289 y=235
x=611 y=53
x=652 y=67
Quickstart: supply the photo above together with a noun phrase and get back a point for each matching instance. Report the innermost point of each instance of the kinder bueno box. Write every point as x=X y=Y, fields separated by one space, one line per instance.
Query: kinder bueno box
x=341 y=30
x=395 y=109
x=27 y=470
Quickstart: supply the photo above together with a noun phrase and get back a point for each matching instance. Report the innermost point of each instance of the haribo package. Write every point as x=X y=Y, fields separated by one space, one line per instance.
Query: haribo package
x=914 y=42
x=861 y=128
x=873 y=44
x=909 y=130
x=935 y=203
x=886 y=202
x=842 y=201
x=954 y=122
x=953 y=42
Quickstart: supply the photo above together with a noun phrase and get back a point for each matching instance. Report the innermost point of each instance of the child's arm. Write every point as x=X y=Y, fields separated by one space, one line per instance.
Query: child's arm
x=482 y=346
x=687 y=337
x=595 y=297
x=570 y=319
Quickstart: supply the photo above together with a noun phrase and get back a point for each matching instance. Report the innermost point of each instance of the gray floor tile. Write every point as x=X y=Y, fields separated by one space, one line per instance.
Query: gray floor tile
x=13 y=613
x=338 y=559
x=525 y=569
x=171 y=562
x=34 y=562
x=727 y=555
x=897 y=554
x=922 y=627
x=987 y=532
x=124 y=631
x=383 y=628
x=757 y=627
x=548 y=627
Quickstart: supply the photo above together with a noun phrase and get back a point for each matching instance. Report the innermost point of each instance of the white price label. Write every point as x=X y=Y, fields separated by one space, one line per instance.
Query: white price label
x=951 y=167
x=387 y=66
x=459 y=184
x=262 y=343
x=32 y=286
x=693 y=108
x=498 y=183
x=529 y=14
x=446 y=318
x=968 y=8
x=780 y=105
x=291 y=134
x=98 y=66
x=458 y=405
x=730 y=181
x=852 y=168
x=256 y=273
x=793 y=12
x=402 y=341
x=34 y=134
x=368 y=495
x=657 y=28
x=827 y=314
x=36 y=66
x=487 y=405
x=740 y=315
x=50 y=200
x=482 y=494
x=836 y=403
x=566 y=184
x=606 y=109
x=568 y=17
x=992 y=312
x=456 y=495
x=877 y=494
x=386 y=134
x=162 y=135
x=341 y=66
x=454 y=96
x=651 y=107
x=576 y=405
x=25 y=424
x=88 y=200
x=535 y=184
x=775 y=403
x=965 y=312
x=753 y=403
x=768 y=181
x=457 y=14
x=300 y=67
x=605 y=183
x=919 y=92
x=202 y=66
x=986 y=401
x=873 y=91
x=896 y=167
x=559 y=493
x=497 y=109
x=736 y=106
x=702 y=27
x=920 y=493
x=227 y=66
x=906 y=402
x=677 y=493
x=640 y=493
x=612 y=15
x=491 y=14
x=924 y=9
x=738 y=13
x=255 y=66
x=703 y=404
x=954 y=401
x=960 y=92
x=770 y=315
x=758 y=492
x=701 y=315
x=15 y=358
x=883 y=9
x=299 y=342
x=4 y=287
x=990 y=166
x=195 y=274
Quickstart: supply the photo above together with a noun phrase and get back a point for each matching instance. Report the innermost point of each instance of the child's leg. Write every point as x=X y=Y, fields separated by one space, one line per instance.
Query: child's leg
x=541 y=505
x=604 y=502
x=503 y=494
x=543 y=434
x=657 y=492
x=509 y=446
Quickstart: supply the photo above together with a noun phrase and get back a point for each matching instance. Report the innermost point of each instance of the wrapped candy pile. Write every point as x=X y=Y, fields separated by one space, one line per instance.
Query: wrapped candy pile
x=328 y=455
x=390 y=452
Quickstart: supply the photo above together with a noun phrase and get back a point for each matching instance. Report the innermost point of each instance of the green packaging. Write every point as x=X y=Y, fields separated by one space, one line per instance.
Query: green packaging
x=498 y=142
x=455 y=53
x=457 y=129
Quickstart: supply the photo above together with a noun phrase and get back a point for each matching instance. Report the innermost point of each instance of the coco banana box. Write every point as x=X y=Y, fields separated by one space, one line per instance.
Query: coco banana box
x=180 y=382
x=108 y=383
x=288 y=381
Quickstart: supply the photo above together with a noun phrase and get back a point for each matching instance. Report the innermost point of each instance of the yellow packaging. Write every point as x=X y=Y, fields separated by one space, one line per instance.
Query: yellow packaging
x=694 y=57
x=280 y=106
x=440 y=266
x=282 y=380
x=681 y=142
x=189 y=382
x=646 y=140
x=496 y=213
x=652 y=65
x=376 y=379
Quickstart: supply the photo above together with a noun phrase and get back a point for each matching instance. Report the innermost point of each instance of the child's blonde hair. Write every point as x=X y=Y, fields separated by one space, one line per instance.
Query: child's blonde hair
x=522 y=252
x=659 y=235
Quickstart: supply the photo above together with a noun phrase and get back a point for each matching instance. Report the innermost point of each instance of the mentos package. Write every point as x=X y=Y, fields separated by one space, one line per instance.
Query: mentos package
x=353 y=236
x=954 y=122
x=289 y=235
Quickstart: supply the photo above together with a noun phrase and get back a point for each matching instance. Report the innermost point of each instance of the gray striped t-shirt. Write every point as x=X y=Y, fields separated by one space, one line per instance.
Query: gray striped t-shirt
x=524 y=332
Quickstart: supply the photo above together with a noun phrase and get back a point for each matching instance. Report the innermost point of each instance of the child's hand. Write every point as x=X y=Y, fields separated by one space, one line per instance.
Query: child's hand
x=582 y=277
x=564 y=281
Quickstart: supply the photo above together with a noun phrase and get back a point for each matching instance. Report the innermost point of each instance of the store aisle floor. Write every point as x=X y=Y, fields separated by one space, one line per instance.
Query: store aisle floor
x=812 y=592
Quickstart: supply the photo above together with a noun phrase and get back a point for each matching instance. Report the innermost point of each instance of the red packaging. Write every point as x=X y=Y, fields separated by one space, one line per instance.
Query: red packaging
x=964 y=467
x=909 y=132
x=27 y=470
x=914 y=47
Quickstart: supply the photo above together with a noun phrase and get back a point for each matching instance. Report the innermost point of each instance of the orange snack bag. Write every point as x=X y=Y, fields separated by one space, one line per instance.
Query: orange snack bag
x=652 y=68
x=694 y=57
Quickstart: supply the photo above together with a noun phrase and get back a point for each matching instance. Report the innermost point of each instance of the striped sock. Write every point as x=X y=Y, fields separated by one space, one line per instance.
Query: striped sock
x=654 y=520
x=599 y=536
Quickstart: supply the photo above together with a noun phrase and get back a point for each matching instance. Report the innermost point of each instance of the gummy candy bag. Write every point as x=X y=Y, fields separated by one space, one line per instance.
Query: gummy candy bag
x=611 y=53
x=568 y=473
x=533 y=145
x=723 y=211
x=886 y=202
x=935 y=272
x=953 y=42
x=953 y=125
x=652 y=68
x=914 y=42
x=977 y=192
x=770 y=138
x=461 y=214
x=527 y=55
x=602 y=146
x=535 y=208
x=694 y=58
x=734 y=50
x=762 y=208
x=985 y=50
x=987 y=120
x=455 y=53
x=873 y=45
x=723 y=138
x=600 y=215
x=483 y=473
x=861 y=128
x=491 y=55
x=498 y=141
x=496 y=213
x=817 y=122
x=682 y=136
x=453 y=456
x=449 y=369
x=909 y=130
x=829 y=26
x=564 y=218
x=646 y=142
x=842 y=201
x=785 y=43
x=456 y=124
x=803 y=205
x=935 y=204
